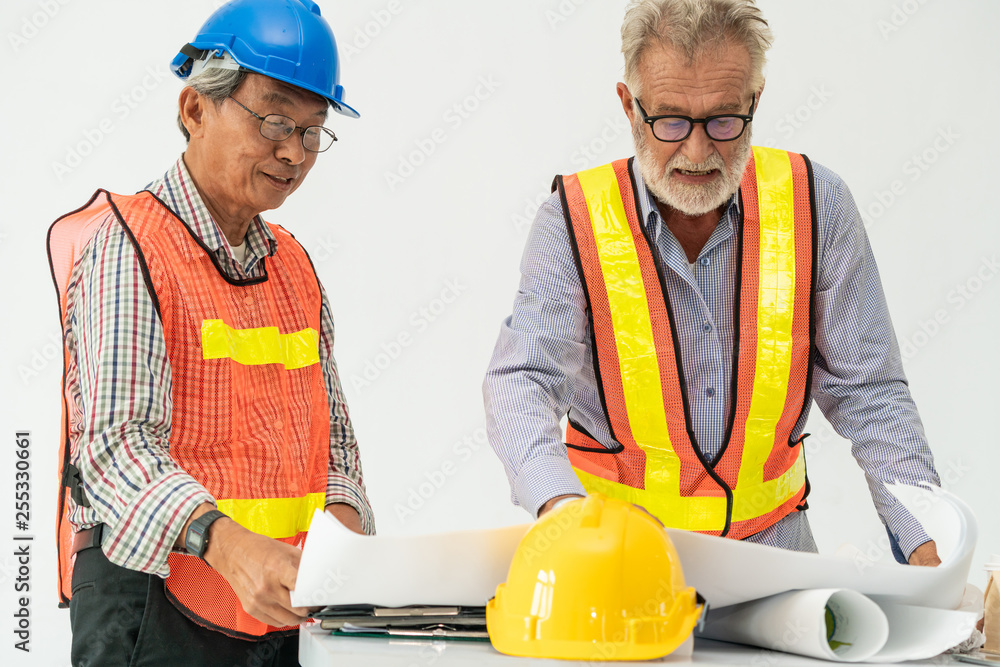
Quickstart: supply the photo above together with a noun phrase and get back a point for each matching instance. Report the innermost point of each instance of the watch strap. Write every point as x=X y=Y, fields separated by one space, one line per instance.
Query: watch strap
x=196 y=538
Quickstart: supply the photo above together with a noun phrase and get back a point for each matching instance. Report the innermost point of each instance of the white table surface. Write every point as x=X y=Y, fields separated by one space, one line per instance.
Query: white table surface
x=318 y=648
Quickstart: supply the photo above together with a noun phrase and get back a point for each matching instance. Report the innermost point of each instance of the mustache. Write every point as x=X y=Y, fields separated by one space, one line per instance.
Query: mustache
x=679 y=161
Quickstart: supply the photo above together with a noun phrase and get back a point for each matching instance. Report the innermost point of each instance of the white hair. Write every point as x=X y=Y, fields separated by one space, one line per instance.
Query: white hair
x=691 y=27
x=215 y=83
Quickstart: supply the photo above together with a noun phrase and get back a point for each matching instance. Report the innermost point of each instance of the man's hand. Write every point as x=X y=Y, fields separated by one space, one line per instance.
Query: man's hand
x=261 y=571
x=926 y=554
x=346 y=515
x=552 y=501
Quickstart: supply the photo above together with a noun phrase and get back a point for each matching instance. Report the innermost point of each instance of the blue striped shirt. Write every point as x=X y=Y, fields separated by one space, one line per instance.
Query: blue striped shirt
x=542 y=367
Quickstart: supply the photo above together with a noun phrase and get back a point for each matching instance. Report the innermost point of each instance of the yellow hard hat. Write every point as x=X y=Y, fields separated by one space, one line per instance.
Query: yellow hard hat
x=595 y=579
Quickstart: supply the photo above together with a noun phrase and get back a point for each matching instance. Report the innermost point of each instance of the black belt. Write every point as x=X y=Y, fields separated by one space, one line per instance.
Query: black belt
x=90 y=537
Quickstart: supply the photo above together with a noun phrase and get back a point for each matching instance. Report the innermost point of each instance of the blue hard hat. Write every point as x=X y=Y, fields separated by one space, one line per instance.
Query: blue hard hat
x=287 y=40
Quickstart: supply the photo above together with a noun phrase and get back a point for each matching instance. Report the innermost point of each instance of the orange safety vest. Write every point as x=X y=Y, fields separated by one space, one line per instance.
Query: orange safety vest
x=759 y=475
x=251 y=420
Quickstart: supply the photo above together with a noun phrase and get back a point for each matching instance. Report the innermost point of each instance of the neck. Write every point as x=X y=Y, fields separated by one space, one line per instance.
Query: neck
x=233 y=221
x=692 y=232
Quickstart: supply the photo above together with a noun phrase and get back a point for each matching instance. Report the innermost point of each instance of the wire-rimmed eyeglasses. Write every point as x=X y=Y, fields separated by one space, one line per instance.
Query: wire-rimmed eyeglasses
x=276 y=127
x=721 y=127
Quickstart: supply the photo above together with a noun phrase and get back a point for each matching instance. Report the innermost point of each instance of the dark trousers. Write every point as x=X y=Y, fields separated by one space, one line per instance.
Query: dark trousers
x=122 y=618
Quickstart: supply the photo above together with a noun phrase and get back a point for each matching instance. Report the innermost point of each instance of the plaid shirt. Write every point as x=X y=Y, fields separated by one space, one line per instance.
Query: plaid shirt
x=543 y=366
x=120 y=378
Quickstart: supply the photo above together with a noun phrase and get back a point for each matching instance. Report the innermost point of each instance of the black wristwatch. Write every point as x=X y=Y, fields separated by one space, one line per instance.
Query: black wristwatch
x=196 y=539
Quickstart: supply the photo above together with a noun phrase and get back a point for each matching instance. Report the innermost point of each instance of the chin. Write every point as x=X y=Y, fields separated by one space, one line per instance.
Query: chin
x=271 y=200
x=691 y=200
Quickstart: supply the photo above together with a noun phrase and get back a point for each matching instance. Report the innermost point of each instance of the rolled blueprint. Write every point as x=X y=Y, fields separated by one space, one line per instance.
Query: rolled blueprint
x=830 y=624
x=840 y=625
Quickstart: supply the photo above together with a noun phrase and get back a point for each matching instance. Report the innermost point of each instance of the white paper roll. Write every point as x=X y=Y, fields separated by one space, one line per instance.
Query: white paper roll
x=862 y=629
x=796 y=622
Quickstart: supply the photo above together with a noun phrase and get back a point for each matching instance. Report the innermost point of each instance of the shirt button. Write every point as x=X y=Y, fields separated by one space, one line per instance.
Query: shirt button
x=710 y=392
x=248 y=300
x=706 y=327
x=704 y=261
x=278 y=424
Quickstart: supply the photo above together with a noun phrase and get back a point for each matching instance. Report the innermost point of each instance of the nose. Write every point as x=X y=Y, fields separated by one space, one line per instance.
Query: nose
x=291 y=150
x=698 y=146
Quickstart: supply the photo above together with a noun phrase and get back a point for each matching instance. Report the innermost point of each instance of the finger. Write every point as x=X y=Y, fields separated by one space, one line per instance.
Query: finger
x=286 y=617
x=280 y=612
x=276 y=619
x=288 y=572
x=284 y=600
x=271 y=605
x=281 y=620
x=266 y=611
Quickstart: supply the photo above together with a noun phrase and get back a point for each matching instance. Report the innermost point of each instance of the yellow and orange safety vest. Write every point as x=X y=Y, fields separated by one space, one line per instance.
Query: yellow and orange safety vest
x=759 y=475
x=250 y=419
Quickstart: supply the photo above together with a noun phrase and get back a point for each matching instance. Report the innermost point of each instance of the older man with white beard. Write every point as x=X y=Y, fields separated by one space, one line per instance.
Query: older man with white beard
x=684 y=308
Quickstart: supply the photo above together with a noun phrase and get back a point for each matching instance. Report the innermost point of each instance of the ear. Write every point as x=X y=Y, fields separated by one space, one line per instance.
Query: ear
x=760 y=92
x=625 y=95
x=192 y=109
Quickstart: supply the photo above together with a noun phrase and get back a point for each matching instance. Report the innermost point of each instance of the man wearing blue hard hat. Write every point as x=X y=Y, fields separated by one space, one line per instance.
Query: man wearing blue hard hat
x=203 y=416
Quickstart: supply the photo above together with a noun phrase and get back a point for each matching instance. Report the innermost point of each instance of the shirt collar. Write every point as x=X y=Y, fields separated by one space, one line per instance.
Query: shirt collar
x=177 y=190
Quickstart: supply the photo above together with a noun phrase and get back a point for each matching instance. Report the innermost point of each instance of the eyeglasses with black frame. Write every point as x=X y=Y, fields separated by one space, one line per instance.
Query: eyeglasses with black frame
x=276 y=127
x=720 y=127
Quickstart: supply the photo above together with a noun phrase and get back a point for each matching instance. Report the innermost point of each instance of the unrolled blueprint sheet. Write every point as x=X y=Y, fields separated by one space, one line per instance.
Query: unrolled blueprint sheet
x=728 y=572
x=341 y=567
x=459 y=568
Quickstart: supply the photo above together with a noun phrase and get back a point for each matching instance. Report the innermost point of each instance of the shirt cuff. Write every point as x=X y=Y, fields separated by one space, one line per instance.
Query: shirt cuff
x=909 y=532
x=342 y=489
x=544 y=478
x=143 y=535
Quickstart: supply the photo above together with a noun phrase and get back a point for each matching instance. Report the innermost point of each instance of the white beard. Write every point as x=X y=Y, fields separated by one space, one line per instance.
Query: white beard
x=689 y=199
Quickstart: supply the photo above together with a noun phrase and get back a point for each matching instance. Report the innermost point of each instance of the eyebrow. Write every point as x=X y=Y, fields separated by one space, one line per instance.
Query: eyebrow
x=274 y=97
x=666 y=109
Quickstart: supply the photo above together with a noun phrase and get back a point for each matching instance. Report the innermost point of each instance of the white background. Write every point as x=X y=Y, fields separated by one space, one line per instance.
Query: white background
x=864 y=87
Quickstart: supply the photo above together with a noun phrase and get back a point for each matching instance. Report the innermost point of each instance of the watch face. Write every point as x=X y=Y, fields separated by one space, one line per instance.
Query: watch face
x=195 y=542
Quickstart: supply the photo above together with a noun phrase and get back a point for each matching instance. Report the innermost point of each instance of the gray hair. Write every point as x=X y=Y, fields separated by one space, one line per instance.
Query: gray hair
x=214 y=83
x=691 y=26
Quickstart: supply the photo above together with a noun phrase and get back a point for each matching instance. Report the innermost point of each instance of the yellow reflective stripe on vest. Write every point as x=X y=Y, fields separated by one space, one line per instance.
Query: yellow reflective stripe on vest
x=639 y=366
x=274 y=517
x=775 y=311
x=629 y=307
x=253 y=347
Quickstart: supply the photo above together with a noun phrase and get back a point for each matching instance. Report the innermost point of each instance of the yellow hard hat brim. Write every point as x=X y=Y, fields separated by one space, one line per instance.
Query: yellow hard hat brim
x=645 y=638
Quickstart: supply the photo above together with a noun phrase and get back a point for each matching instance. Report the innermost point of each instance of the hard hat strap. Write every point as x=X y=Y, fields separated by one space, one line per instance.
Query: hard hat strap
x=202 y=59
